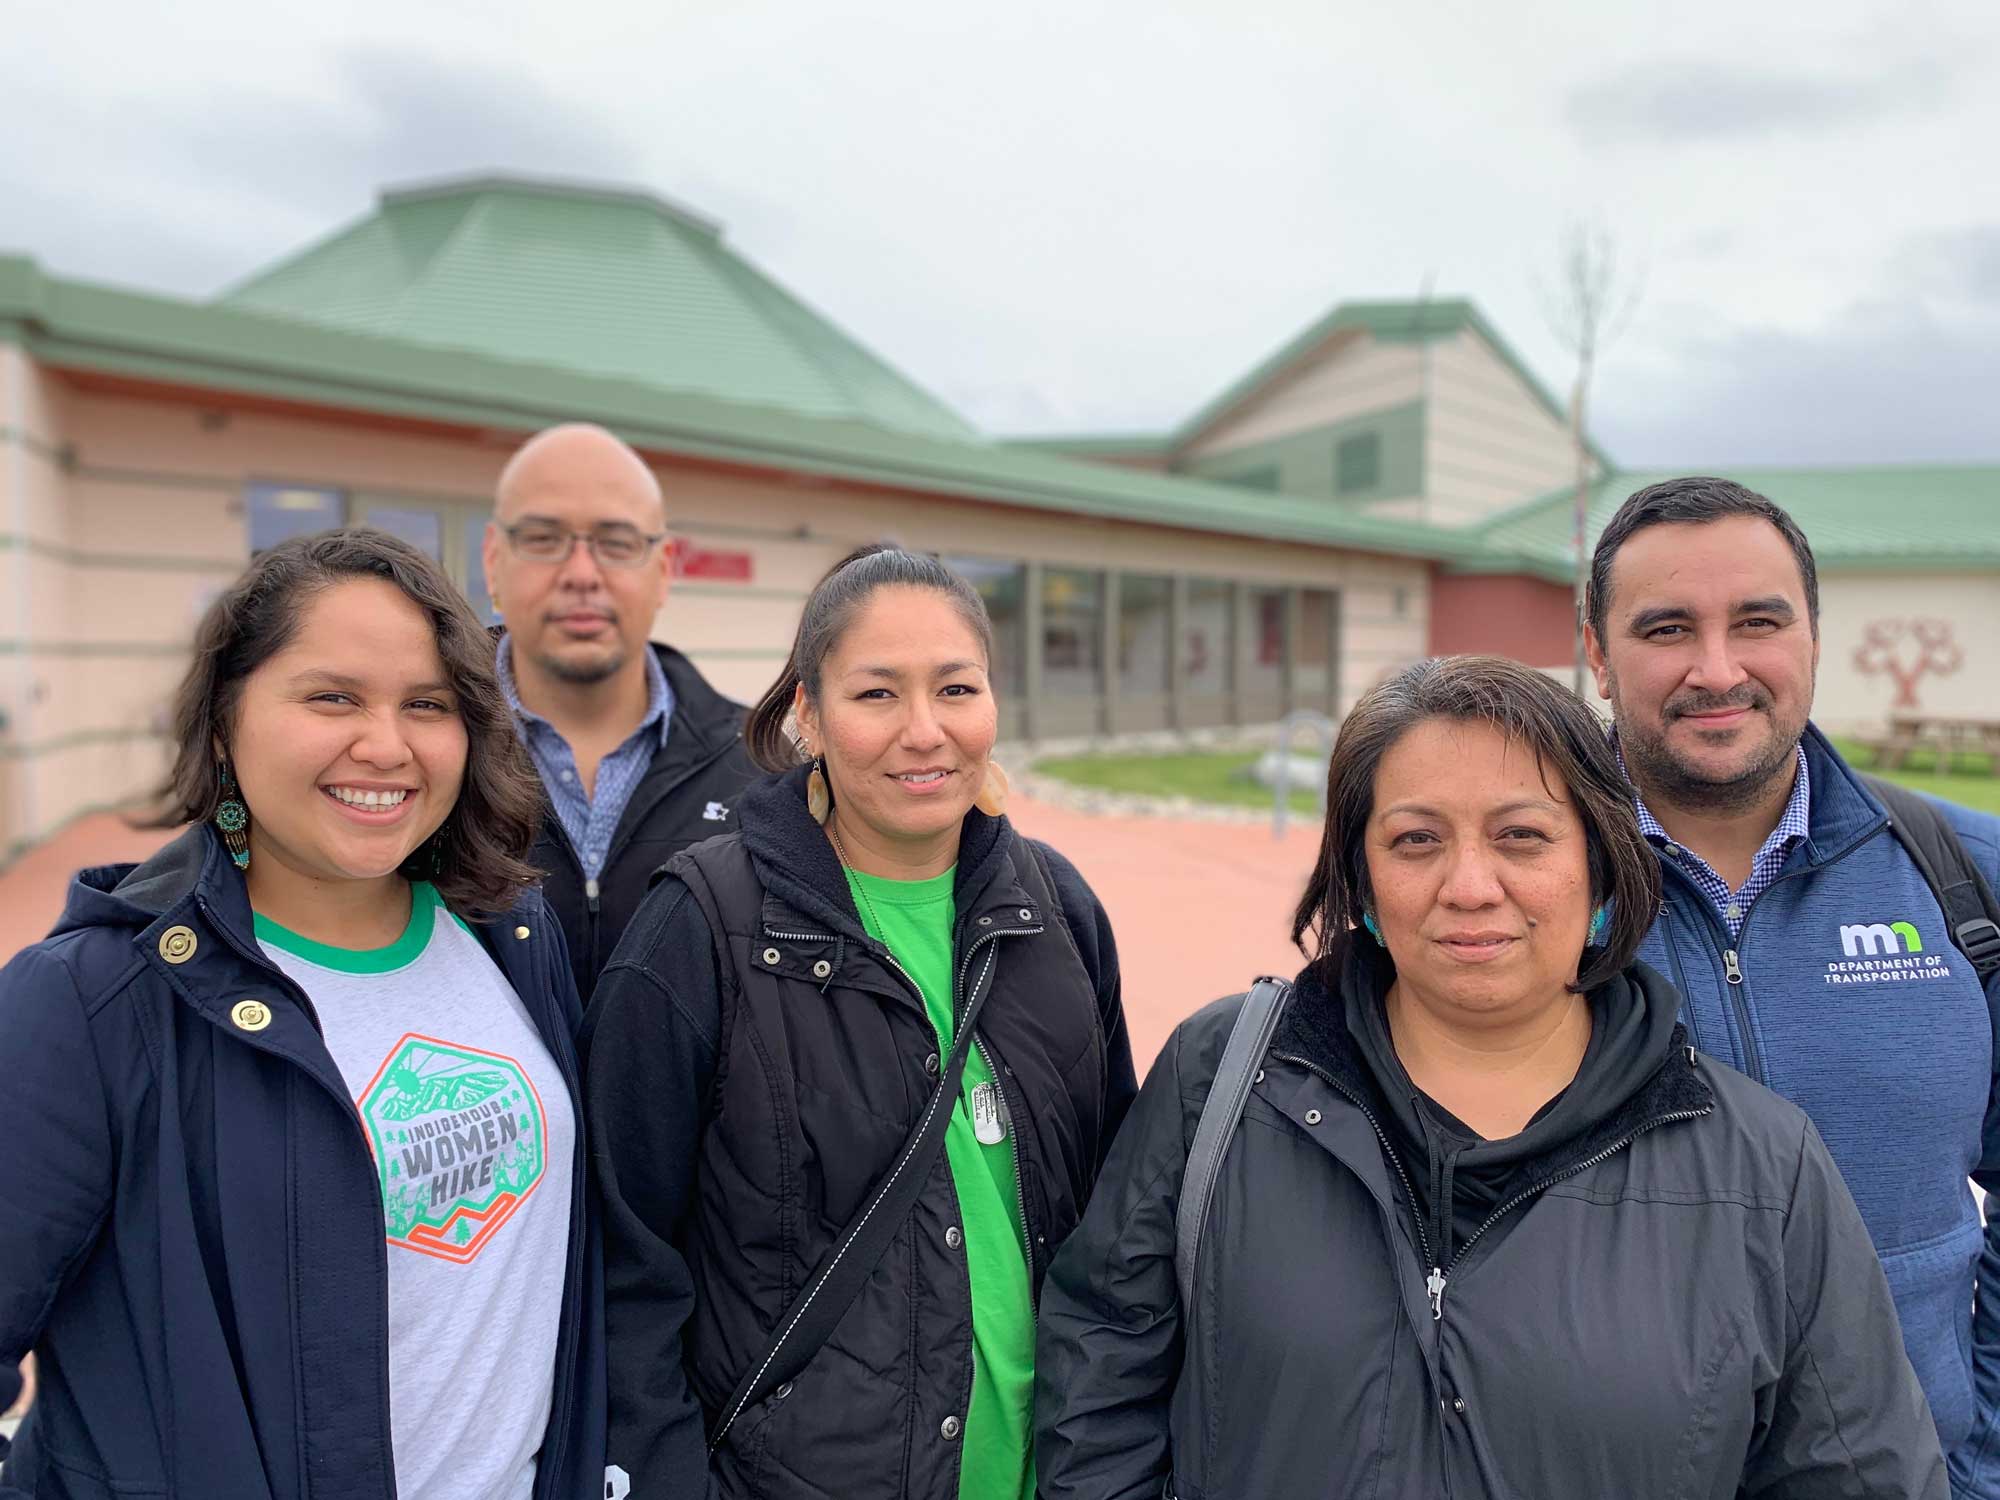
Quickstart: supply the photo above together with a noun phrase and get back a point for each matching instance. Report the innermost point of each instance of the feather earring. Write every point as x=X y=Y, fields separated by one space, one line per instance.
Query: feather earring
x=992 y=798
x=819 y=797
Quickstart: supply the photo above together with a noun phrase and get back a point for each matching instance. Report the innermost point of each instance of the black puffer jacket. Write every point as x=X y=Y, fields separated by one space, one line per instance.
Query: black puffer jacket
x=1678 y=1300
x=755 y=1061
x=688 y=794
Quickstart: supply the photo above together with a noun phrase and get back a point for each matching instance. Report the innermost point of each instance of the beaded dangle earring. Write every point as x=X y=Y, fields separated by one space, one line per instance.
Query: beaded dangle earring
x=233 y=818
x=1374 y=931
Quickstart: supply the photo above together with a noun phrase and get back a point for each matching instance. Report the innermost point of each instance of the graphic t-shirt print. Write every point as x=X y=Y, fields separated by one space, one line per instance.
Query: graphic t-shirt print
x=460 y=1142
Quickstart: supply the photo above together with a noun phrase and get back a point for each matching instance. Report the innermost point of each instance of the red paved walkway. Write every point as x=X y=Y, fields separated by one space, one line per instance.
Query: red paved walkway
x=1199 y=908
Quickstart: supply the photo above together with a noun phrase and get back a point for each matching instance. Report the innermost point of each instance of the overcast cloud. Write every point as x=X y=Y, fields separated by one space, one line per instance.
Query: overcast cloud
x=1078 y=215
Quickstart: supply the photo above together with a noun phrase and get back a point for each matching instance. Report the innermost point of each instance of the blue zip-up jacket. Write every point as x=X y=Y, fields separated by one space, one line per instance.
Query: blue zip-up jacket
x=191 y=1230
x=1845 y=993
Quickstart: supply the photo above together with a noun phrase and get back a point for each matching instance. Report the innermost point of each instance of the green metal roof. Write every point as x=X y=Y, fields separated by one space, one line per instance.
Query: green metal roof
x=1885 y=517
x=73 y=325
x=610 y=282
x=1388 y=322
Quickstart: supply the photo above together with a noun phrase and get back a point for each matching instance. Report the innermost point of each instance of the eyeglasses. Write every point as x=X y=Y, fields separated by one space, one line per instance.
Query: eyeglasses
x=614 y=546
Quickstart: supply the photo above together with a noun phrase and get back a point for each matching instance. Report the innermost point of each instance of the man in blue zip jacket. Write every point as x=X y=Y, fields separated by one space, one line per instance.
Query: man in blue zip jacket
x=1807 y=944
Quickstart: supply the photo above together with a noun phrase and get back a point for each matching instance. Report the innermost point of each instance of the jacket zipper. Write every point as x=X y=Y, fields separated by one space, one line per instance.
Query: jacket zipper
x=985 y=938
x=1440 y=1276
x=1013 y=1134
x=1436 y=1284
x=1732 y=948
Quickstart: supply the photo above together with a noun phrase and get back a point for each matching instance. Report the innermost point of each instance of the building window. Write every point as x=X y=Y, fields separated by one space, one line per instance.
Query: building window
x=1263 y=477
x=1262 y=643
x=1003 y=585
x=1072 y=633
x=1145 y=636
x=1205 y=639
x=1357 y=463
x=279 y=512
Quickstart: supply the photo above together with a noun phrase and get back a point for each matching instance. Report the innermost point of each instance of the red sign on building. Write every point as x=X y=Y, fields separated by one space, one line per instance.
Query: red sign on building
x=711 y=564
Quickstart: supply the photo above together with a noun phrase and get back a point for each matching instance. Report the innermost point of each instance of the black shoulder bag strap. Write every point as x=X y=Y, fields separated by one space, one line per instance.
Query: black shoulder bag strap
x=1249 y=1040
x=838 y=1279
x=1933 y=845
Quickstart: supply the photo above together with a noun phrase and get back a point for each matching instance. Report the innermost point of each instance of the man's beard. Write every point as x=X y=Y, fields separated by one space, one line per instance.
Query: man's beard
x=584 y=672
x=1664 y=777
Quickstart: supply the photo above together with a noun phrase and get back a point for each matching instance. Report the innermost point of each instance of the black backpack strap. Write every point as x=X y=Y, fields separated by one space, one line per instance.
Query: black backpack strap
x=1249 y=1040
x=839 y=1277
x=1970 y=909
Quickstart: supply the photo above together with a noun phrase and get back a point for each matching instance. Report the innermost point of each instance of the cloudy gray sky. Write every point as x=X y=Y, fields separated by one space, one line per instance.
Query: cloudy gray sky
x=1093 y=214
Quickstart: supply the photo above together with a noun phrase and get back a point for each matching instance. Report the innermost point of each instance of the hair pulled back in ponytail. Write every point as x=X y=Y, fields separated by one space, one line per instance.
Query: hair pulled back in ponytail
x=829 y=610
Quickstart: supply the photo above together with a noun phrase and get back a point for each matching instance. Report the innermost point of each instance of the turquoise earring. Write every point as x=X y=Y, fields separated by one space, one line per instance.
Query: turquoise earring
x=233 y=818
x=1600 y=922
x=1368 y=921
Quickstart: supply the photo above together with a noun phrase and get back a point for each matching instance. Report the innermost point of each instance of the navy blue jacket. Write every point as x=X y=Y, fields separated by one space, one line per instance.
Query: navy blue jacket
x=191 y=1230
x=1885 y=1037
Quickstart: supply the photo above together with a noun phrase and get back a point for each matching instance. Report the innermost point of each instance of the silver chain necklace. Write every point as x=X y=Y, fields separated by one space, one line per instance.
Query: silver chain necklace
x=859 y=888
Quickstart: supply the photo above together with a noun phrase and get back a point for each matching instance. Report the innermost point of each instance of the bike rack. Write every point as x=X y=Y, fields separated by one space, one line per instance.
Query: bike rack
x=1323 y=729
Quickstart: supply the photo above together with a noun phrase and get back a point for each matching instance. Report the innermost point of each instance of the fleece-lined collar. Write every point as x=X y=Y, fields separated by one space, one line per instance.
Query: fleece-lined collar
x=798 y=866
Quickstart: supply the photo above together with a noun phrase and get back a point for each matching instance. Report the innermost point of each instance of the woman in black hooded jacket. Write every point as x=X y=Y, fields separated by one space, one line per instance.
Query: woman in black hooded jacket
x=783 y=1015
x=1487 y=1226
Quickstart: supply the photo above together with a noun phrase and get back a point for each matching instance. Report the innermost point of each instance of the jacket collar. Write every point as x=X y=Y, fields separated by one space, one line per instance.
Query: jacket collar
x=802 y=876
x=1314 y=1029
x=1843 y=809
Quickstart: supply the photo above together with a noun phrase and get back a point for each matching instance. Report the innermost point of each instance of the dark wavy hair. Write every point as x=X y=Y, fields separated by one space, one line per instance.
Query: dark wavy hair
x=1573 y=751
x=478 y=857
x=829 y=610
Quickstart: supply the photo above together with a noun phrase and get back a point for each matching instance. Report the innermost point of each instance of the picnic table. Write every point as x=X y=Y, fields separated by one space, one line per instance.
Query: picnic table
x=1949 y=735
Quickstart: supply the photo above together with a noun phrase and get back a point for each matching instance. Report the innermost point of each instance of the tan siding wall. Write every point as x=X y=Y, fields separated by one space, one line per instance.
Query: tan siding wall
x=150 y=524
x=1968 y=604
x=1491 y=443
x=1353 y=377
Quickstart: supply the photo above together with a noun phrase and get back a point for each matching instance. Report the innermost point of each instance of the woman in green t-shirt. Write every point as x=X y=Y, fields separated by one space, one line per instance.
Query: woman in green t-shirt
x=764 y=1047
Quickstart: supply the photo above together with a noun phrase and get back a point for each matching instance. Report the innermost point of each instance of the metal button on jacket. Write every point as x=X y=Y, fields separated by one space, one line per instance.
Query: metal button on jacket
x=953 y=1237
x=250 y=1015
x=770 y=955
x=522 y=933
x=949 y=1428
x=931 y=1065
x=177 y=944
x=1312 y=1117
x=822 y=969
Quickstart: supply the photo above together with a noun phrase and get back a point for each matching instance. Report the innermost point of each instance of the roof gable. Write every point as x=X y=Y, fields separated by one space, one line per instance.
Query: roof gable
x=601 y=281
x=1422 y=321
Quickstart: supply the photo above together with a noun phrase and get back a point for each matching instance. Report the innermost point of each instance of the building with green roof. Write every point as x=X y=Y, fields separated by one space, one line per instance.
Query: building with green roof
x=1389 y=482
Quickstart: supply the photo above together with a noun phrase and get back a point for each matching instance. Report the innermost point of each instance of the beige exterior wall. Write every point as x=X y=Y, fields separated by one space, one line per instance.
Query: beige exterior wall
x=1353 y=376
x=133 y=537
x=1883 y=617
x=1489 y=442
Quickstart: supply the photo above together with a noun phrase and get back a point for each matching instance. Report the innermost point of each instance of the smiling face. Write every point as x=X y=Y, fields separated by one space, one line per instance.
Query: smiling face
x=1480 y=873
x=1708 y=659
x=577 y=621
x=906 y=721
x=347 y=744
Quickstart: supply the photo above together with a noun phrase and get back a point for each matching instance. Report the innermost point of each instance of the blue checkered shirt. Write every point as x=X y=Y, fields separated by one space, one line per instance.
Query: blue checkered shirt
x=591 y=820
x=1731 y=905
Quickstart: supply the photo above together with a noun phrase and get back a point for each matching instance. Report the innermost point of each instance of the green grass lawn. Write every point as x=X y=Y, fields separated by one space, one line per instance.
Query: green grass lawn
x=1220 y=776
x=1199 y=775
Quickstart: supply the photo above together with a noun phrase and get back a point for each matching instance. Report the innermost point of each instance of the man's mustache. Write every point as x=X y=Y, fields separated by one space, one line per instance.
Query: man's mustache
x=1743 y=697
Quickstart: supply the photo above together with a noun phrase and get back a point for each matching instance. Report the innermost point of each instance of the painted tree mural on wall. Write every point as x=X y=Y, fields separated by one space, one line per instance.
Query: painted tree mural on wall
x=1907 y=651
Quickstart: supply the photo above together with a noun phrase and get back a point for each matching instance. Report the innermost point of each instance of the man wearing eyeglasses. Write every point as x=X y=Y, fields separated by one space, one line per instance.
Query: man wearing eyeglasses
x=639 y=755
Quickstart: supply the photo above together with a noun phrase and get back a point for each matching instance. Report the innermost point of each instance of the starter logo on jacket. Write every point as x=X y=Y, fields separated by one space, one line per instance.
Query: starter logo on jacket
x=460 y=1142
x=1884 y=953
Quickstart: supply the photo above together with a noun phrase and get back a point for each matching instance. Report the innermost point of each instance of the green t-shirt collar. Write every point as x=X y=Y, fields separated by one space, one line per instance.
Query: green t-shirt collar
x=424 y=904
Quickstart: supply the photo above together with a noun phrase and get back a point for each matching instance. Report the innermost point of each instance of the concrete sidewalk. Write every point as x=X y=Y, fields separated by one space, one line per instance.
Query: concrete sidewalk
x=1199 y=908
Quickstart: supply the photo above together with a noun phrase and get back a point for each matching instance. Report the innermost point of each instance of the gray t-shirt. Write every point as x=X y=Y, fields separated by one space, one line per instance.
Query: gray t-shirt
x=472 y=1133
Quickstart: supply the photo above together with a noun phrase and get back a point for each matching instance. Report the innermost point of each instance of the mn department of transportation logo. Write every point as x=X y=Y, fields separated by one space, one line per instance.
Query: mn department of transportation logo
x=1884 y=953
x=460 y=1142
